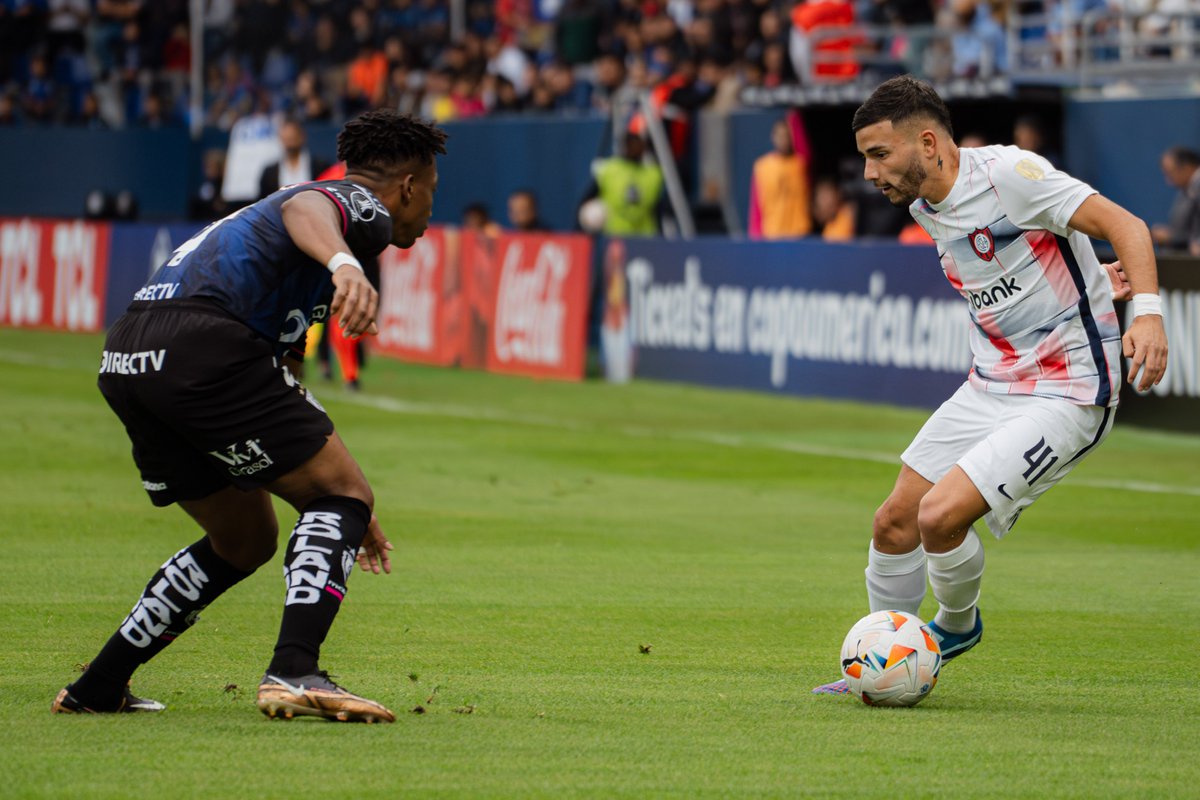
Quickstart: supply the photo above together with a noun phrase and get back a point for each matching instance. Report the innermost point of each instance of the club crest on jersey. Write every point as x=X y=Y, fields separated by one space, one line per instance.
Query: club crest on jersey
x=982 y=243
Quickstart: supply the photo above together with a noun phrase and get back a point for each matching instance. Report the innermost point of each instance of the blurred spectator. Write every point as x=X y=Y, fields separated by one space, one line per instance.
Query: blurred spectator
x=973 y=139
x=833 y=215
x=308 y=103
x=507 y=60
x=1029 y=134
x=608 y=78
x=779 y=190
x=298 y=165
x=366 y=79
x=177 y=51
x=108 y=28
x=8 y=110
x=65 y=27
x=1181 y=169
x=475 y=217
x=39 y=95
x=88 y=115
x=206 y=203
x=913 y=233
x=630 y=190
x=978 y=40
x=435 y=101
x=504 y=96
x=231 y=94
x=154 y=113
x=577 y=34
x=817 y=48
x=523 y=212
x=466 y=98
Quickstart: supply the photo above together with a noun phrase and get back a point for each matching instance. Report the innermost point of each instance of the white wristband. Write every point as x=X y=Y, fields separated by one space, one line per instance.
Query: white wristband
x=1146 y=303
x=341 y=259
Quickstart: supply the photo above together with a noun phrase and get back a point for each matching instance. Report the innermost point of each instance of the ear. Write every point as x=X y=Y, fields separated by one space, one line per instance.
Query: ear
x=928 y=140
x=406 y=187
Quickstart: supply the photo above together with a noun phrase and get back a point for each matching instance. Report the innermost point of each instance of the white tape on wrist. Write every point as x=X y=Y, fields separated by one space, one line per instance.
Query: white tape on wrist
x=1146 y=303
x=341 y=259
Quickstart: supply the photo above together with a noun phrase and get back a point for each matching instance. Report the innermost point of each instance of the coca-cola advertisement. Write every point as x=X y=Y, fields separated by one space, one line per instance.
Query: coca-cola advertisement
x=418 y=300
x=512 y=303
x=540 y=310
x=53 y=274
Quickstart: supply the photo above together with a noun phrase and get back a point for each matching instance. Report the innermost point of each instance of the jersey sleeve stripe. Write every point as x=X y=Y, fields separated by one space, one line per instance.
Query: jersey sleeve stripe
x=342 y=211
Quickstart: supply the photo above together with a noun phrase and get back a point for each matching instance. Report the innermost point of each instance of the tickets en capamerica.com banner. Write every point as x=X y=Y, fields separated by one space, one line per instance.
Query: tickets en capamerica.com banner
x=53 y=274
x=864 y=322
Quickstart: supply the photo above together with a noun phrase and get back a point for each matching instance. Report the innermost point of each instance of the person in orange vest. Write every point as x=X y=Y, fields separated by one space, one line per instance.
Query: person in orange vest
x=779 y=190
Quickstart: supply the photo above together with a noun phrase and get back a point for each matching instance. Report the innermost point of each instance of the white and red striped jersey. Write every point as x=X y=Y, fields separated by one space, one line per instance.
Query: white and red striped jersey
x=1040 y=303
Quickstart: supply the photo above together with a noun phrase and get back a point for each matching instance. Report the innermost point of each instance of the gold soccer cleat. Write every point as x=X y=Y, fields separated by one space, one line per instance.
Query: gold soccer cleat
x=316 y=696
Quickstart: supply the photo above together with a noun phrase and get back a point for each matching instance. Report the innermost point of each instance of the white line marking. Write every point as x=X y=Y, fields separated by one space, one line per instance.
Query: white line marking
x=478 y=414
x=475 y=414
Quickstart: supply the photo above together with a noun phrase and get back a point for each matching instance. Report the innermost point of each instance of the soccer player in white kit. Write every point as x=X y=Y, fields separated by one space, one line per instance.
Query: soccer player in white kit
x=1013 y=234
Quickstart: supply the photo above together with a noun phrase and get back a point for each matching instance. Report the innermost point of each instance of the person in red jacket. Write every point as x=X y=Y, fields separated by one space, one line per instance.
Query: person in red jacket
x=825 y=58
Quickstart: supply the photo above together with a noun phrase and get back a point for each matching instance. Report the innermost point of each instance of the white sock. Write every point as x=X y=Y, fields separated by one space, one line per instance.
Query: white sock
x=895 y=583
x=955 y=577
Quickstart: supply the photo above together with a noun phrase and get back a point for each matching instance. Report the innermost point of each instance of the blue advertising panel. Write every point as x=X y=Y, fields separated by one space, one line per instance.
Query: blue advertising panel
x=874 y=322
x=137 y=250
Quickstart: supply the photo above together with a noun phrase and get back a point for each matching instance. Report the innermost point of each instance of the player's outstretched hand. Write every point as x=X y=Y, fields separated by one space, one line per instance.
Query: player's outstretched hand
x=1145 y=343
x=355 y=301
x=1121 y=290
x=373 y=553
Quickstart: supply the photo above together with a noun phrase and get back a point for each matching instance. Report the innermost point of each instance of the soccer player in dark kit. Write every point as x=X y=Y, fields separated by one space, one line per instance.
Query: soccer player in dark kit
x=197 y=371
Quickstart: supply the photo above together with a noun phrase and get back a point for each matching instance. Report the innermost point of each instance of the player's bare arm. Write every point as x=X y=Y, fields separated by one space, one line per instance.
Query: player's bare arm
x=1145 y=342
x=314 y=225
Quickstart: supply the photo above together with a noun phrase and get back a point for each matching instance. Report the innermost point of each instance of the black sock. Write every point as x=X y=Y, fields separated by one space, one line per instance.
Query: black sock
x=170 y=604
x=320 y=555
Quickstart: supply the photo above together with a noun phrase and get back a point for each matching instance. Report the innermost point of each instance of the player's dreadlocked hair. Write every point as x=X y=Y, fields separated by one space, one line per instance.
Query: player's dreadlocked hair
x=900 y=99
x=384 y=140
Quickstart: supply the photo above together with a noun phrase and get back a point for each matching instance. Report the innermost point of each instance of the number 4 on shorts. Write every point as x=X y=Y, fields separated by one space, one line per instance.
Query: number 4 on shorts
x=1041 y=453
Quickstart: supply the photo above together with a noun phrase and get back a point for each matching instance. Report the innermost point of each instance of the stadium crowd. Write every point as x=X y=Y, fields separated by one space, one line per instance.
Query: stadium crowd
x=117 y=63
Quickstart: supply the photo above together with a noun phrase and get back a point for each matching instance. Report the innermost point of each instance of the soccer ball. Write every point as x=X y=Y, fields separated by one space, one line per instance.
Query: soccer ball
x=592 y=215
x=889 y=659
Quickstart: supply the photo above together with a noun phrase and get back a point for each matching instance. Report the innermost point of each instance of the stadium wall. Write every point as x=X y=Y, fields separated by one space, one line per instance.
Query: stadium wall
x=1116 y=145
x=53 y=169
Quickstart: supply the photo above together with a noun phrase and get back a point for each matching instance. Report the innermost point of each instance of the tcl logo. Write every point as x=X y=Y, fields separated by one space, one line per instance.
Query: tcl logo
x=77 y=303
x=53 y=274
x=20 y=252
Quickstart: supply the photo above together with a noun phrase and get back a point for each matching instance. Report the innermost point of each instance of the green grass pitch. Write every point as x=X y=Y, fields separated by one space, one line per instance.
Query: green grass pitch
x=546 y=534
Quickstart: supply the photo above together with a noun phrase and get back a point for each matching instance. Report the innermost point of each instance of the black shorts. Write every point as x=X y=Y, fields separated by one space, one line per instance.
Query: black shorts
x=205 y=402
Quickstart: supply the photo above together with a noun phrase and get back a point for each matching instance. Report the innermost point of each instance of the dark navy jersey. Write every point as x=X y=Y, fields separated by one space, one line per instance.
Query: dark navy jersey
x=247 y=264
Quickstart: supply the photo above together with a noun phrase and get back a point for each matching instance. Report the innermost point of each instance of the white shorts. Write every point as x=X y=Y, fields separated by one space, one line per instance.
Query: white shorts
x=1012 y=447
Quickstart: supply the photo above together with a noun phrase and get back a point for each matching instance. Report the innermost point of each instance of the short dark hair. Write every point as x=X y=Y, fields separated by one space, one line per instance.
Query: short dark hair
x=1183 y=156
x=900 y=99
x=384 y=140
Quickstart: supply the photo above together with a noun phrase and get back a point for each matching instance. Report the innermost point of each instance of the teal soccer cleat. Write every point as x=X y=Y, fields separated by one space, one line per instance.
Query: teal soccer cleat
x=955 y=644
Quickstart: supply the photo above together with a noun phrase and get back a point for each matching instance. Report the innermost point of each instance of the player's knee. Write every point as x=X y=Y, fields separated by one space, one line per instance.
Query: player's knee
x=936 y=522
x=894 y=531
x=359 y=490
x=248 y=550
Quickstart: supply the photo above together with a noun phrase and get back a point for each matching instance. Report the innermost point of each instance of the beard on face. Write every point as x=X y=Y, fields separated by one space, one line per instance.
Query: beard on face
x=909 y=187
